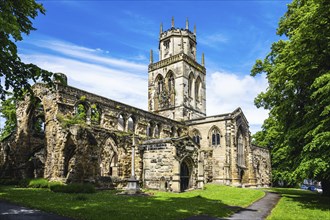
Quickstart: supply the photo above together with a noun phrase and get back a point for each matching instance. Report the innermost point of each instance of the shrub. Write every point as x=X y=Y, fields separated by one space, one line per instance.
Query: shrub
x=73 y=188
x=38 y=183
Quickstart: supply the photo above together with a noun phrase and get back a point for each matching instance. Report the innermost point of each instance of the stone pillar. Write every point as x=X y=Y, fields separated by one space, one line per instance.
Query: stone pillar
x=200 y=178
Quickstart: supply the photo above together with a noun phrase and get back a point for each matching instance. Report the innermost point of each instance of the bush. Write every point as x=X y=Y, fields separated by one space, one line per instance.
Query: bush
x=73 y=188
x=9 y=182
x=38 y=183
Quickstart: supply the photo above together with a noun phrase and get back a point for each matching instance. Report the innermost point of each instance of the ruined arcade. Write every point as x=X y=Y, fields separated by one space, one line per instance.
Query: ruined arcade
x=69 y=135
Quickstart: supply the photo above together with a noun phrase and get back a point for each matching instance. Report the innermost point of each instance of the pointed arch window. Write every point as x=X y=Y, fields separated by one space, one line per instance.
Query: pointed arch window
x=198 y=85
x=215 y=137
x=160 y=83
x=121 y=123
x=196 y=136
x=240 y=150
x=131 y=124
x=190 y=84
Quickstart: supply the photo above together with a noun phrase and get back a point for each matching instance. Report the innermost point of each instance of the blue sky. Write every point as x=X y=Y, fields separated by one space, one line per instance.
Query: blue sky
x=103 y=46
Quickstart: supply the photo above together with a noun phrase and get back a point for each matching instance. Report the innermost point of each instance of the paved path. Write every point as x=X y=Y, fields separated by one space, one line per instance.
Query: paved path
x=9 y=211
x=257 y=211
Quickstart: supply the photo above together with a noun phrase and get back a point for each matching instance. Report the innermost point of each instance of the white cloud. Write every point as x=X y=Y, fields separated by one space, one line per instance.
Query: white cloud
x=212 y=39
x=227 y=91
x=88 y=55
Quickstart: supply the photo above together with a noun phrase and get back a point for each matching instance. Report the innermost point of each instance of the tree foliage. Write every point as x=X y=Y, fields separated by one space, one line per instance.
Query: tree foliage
x=8 y=112
x=298 y=94
x=15 y=20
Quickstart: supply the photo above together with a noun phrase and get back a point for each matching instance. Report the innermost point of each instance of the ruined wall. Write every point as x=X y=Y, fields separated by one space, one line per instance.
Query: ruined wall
x=262 y=166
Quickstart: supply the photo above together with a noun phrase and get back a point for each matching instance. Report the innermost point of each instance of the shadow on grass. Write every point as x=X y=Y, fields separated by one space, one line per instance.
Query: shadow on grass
x=306 y=199
x=108 y=205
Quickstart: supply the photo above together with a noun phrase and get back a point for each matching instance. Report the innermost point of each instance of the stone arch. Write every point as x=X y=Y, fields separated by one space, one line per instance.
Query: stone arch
x=108 y=158
x=150 y=129
x=121 y=125
x=131 y=124
x=186 y=173
x=96 y=114
x=214 y=136
x=157 y=130
x=69 y=152
x=82 y=110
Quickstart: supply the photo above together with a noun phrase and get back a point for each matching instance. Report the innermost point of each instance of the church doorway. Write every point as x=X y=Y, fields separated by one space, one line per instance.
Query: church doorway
x=185 y=174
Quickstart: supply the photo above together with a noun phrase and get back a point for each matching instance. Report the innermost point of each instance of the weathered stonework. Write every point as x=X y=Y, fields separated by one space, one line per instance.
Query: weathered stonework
x=66 y=134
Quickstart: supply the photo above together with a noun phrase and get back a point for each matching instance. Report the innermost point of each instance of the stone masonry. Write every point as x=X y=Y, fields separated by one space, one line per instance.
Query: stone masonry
x=70 y=135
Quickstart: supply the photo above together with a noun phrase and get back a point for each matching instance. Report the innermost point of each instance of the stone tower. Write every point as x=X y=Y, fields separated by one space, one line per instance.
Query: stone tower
x=176 y=84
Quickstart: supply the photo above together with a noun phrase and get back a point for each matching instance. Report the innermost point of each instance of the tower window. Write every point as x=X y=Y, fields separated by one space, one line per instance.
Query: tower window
x=166 y=44
x=196 y=136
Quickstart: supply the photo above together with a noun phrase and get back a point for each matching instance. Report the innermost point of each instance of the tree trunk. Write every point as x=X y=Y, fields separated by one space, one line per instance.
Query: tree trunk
x=326 y=187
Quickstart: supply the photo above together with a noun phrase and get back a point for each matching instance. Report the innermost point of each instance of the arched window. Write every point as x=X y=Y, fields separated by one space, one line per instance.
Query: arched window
x=131 y=124
x=81 y=111
x=95 y=114
x=157 y=131
x=215 y=134
x=159 y=83
x=170 y=82
x=121 y=123
x=198 y=85
x=196 y=136
x=190 y=84
x=149 y=129
x=240 y=150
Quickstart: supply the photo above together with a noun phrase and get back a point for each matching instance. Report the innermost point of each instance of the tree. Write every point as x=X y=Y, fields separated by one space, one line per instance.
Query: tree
x=15 y=20
x=8 y=112
x=298 y=93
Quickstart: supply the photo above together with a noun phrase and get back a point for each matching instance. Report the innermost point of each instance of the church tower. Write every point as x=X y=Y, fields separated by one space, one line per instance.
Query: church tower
x=176 y=83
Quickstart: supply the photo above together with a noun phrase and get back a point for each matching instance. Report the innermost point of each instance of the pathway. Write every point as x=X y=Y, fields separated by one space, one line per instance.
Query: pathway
x=9 y=211
x=257 y=211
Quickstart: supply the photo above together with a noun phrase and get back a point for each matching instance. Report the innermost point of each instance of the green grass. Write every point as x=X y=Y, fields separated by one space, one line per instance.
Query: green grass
x=215 y=200
x=300 y=204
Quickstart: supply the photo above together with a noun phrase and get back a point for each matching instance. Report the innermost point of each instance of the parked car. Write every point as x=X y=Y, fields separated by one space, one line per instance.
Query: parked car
x=311 y=188
x=319 y=190
x=303 y=187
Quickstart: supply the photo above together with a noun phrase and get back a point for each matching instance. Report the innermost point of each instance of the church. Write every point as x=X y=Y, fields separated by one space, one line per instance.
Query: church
x=70 y=135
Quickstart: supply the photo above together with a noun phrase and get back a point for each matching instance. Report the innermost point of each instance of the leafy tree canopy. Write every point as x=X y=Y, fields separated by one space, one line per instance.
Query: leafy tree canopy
x=8 y=112
x=15 y=20
x=298 y=94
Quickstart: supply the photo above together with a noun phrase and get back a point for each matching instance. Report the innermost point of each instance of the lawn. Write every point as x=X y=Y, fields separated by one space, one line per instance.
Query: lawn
x=214 y=200
x=300 y=204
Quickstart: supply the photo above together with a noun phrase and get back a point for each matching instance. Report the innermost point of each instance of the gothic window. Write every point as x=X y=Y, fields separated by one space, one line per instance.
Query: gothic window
x=198 y=85
x=121 y=123
x=81 y=111
x=190 y=84
x=95 y=114
x=170 y=82
x=130 y=125
x=166 y=44
x=159 y=83
x=215 y=134
x=196 y=136
x=157 y=131
x=173 y=131
x=149 y=130
x=240 y=150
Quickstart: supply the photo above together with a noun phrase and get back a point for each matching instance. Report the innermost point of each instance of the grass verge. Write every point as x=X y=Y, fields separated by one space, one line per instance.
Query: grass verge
x=215 y=200
x=300 y=204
